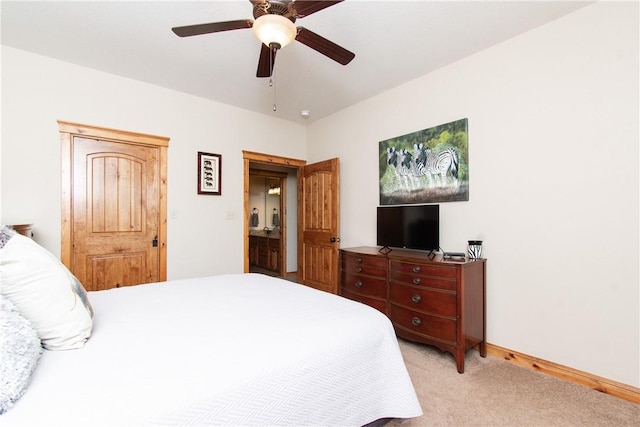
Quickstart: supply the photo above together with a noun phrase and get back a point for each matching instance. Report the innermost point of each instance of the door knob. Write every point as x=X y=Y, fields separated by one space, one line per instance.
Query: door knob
x=334 y=239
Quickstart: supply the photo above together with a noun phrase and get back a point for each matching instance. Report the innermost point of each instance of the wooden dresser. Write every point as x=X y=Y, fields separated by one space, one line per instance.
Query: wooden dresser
x=430 y=301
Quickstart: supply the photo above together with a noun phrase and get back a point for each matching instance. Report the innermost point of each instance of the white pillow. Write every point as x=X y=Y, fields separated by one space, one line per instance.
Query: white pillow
x=46 y=294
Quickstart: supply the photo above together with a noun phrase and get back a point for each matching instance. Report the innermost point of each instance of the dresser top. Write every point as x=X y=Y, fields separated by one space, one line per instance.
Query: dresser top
x=408 y=254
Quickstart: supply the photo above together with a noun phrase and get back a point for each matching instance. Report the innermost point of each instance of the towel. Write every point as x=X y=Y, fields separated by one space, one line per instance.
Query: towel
x=276 y=220
x=254 y=221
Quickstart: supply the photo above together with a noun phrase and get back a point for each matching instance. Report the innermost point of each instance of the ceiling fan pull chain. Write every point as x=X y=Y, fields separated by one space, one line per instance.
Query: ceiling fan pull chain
x=272 y=78
x=274 y=94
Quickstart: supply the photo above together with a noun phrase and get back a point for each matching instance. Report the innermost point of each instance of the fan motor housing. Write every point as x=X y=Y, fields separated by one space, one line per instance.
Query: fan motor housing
x=274 y=7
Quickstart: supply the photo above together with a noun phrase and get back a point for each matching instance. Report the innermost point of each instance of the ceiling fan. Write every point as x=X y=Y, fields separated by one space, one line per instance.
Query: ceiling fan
x=274 y=27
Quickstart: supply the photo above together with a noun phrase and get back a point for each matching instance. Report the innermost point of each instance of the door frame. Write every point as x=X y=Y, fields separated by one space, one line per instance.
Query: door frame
x=267 y=159
x=67 y=132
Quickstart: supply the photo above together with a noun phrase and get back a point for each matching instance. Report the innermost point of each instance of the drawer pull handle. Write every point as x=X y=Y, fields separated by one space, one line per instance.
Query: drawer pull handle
x=358 y=269
x=416 y=269
x=358 y=260
x=416 y=299
x=358 y=284
x=416 y=281
x=416 y=321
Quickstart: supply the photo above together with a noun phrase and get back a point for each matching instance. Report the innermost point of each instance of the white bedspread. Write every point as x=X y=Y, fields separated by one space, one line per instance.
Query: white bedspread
x=223 y=350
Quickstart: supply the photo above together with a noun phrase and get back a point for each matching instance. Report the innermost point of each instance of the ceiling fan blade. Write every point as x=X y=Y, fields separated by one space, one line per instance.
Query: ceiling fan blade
x=213 y=27
x=266 y=62
x=324 y=46
x=307 y=7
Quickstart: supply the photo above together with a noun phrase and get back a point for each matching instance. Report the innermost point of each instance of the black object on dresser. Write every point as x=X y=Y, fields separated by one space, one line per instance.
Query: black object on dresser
x=430 y=301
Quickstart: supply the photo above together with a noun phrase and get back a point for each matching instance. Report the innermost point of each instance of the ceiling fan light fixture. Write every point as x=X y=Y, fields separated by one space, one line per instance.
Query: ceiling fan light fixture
x=274 y=30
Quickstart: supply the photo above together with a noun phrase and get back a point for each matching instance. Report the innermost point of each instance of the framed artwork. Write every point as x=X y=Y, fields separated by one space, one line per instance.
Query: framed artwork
x=427 y=166
x=209 y=174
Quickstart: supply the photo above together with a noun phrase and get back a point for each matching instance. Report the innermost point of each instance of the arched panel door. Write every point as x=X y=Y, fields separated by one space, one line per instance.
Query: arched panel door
x=114 y=233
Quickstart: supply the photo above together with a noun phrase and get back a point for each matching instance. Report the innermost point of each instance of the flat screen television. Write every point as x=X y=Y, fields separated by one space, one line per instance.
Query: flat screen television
x=409 y=226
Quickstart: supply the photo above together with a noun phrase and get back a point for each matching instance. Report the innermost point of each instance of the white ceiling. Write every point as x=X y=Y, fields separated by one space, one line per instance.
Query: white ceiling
x=394 y=42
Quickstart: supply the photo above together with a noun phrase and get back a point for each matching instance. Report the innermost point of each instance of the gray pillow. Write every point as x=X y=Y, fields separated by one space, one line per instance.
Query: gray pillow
x=20 y=352
x=6 y=233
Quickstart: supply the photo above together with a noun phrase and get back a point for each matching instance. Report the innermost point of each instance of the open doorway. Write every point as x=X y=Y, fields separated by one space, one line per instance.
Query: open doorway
x=267 y=225
x=270 y=231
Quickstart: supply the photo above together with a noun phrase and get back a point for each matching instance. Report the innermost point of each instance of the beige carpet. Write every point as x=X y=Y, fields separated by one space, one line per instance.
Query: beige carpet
x=494 y=392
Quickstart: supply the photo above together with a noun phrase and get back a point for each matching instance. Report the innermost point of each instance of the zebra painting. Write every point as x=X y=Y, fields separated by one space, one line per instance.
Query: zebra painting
x=427 y=166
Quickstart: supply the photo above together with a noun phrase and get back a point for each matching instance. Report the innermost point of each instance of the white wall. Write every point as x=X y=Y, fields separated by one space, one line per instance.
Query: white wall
x=553 y=141
x=37 y=91
x=292 y=221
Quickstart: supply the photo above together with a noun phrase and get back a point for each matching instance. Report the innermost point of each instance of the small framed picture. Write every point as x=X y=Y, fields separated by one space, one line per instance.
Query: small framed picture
x=209 y=174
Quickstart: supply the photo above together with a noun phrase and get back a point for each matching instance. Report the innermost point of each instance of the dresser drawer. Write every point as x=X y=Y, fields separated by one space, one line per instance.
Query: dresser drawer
x=439 y=328
x=368 y=269
x=424 y=300
x=372 y=286
x=378 y=304
x=423 y=281
x=371 y=261
x=431 y=270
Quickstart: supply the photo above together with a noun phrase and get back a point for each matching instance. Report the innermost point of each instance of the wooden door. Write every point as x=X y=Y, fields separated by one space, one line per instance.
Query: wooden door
x=116 y=232
x=318 y=225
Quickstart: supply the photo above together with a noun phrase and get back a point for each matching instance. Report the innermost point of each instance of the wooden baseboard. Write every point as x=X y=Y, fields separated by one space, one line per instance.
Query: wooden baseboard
x=291 y=275
x=603 y=385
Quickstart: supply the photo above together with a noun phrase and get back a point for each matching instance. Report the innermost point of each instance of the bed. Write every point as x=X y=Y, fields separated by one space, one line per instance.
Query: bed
x=237 y=349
